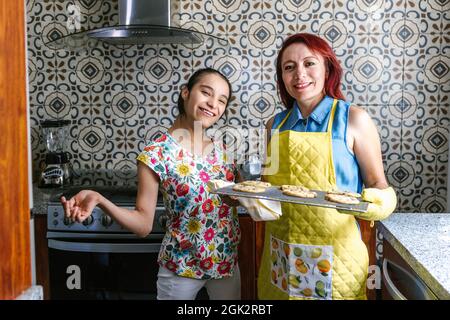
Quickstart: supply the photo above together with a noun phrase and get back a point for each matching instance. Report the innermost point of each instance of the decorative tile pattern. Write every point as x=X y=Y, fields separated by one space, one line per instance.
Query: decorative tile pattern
x=394 y=54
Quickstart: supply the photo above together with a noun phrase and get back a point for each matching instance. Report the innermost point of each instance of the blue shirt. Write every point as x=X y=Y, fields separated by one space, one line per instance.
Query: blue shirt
x=348 y=175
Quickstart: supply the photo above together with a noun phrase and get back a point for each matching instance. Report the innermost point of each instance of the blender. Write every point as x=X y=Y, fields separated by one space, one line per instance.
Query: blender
x=57 y=168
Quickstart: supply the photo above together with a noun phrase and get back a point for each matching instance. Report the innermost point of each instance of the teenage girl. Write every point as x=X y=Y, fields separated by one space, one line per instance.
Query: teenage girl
x=201 y=243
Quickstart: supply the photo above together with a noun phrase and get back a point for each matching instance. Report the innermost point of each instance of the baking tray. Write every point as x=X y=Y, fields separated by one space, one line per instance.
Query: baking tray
x=274 y=193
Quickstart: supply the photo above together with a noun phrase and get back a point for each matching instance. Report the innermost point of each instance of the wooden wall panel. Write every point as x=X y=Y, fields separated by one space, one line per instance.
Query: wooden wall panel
x=15 y=266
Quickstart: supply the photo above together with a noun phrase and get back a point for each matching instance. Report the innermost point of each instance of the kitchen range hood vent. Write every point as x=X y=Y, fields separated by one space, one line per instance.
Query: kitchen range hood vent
x=140 y=22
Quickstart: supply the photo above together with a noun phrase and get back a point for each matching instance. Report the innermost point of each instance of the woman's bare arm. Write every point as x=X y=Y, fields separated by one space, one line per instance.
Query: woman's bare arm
x=365 y=142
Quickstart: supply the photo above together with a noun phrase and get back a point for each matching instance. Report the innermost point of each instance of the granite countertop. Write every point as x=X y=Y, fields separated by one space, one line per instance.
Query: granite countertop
x=41 y=198
x=83 y=179
x=423 y=241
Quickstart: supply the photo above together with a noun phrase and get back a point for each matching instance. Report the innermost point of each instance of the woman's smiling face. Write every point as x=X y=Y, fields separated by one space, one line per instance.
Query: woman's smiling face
x=303 y=73
x=207 y=99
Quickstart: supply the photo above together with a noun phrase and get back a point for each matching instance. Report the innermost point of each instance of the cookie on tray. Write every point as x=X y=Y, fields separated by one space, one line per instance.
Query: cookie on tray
x=299 y=193
x=340 y=198
x=256 y=183
x=345 y=193
x=293 y=187
x=247 y=188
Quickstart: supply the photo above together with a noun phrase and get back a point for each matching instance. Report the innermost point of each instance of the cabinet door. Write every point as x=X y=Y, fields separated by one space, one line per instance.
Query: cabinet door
x=247 y=263
x=368 y=235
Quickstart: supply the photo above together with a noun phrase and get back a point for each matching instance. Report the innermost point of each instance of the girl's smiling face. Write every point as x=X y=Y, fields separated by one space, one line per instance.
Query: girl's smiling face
x=207 y=99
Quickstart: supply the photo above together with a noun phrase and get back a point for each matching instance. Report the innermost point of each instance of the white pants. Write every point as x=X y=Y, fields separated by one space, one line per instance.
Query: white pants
x=173 y=287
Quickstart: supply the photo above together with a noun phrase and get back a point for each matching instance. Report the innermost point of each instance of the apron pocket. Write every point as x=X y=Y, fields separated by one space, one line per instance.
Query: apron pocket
x=301 y=270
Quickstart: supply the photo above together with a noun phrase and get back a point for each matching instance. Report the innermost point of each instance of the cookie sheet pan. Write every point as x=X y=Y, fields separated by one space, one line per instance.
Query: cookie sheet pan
x=274 y=193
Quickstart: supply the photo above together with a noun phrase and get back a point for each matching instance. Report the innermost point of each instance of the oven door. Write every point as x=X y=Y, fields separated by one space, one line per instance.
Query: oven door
x=103 y=266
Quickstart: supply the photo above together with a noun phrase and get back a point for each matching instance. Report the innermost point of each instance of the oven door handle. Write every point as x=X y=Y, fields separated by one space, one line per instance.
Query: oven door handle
x=104 y=247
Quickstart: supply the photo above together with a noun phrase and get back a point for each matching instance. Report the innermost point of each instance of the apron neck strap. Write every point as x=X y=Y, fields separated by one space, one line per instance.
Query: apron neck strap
x=333 y=110
x=285 y=119
x=330 y=122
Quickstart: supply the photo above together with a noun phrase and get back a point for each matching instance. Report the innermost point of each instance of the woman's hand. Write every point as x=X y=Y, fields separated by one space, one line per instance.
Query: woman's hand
x=382 y=202
x=81 y=205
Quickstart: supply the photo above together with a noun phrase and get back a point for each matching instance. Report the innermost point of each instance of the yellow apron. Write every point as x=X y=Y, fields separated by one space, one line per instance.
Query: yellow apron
x=310 y=252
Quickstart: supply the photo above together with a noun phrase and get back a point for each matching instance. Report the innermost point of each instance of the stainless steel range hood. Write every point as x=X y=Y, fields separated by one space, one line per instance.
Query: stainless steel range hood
x=140 y=22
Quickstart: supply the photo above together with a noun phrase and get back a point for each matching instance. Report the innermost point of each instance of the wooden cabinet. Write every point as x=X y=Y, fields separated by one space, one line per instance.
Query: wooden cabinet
x=368 y=235
x=250 y=252
x=247 y=258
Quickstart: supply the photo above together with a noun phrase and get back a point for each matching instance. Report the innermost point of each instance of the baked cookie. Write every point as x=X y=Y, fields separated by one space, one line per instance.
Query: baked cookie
x=345 y=193
x=340 y=198
x=285 y=187
x=256 y=183
x=299 y=193
x=247 y=188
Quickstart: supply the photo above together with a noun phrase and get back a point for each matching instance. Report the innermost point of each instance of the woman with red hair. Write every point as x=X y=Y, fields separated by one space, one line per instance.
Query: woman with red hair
x=324 y=143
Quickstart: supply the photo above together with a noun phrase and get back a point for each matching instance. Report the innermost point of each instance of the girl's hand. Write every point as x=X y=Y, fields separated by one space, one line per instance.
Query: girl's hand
x=81 y=205
x=230 y=201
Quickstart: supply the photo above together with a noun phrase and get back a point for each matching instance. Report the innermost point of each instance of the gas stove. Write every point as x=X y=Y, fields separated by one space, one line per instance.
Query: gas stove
x=99 y=222
x=109 y=261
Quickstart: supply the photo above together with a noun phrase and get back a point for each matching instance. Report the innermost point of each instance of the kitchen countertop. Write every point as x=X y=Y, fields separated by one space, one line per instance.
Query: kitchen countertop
x=423 y=241
x=41 y=198
x=81 y=178
x=32 y=293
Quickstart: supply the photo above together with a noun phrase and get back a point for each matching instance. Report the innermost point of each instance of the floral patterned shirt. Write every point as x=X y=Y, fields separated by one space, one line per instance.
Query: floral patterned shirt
x=203 y=233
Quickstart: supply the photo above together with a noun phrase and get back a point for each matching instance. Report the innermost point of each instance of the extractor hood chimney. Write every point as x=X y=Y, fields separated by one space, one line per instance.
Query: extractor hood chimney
x=140 y=22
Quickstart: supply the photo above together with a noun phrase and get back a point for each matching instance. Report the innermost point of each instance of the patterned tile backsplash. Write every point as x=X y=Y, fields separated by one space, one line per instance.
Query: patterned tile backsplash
x=395 y=55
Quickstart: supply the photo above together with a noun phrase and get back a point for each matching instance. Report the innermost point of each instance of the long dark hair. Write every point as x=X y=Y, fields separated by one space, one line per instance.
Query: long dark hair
x=195 y=77
x=318 y=45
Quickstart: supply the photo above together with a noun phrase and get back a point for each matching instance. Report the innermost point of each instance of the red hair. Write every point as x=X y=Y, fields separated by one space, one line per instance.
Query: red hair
x=319 y=46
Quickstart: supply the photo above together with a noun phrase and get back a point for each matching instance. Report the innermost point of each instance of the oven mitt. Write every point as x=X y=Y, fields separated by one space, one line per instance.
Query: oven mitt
x=261 y=209
x=258 y=209
x=382 y=203
x=217 y=184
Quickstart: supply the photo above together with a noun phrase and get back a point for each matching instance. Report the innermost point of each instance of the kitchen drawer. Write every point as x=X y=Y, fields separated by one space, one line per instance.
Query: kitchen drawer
x=399 y=281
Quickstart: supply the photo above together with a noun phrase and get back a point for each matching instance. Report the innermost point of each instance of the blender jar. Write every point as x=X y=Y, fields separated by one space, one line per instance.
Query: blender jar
x=57 y=171
x=55 y=134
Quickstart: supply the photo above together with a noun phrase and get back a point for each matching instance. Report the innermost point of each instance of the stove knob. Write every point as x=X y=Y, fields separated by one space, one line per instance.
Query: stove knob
x=68 y=221
x=88 y=221
x=106 y=220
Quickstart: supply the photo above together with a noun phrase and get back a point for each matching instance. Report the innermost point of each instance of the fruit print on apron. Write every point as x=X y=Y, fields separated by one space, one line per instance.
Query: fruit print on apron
x=302 y=270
